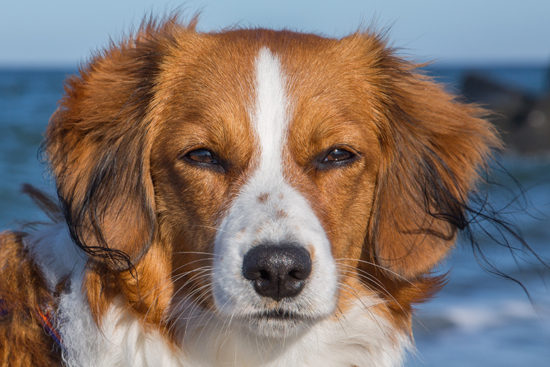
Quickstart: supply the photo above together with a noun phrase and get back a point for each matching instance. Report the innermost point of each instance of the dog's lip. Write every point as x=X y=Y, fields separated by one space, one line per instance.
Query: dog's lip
x=280 y=315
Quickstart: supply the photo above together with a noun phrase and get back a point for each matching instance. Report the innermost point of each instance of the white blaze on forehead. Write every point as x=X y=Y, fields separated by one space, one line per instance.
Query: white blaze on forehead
x=268 y=210
x=270 y=116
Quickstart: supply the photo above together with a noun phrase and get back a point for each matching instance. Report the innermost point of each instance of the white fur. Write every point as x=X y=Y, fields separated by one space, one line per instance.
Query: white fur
x=223 y=337
x=121 y=340
x=252 y=221
x=357 y=338
x=55 y=253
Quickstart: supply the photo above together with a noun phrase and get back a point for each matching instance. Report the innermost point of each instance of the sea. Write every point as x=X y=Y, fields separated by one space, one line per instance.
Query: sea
x=495 y=309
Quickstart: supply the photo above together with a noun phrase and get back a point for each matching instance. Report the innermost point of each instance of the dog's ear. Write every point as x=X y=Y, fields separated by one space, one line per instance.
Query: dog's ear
x=98 y=144
x=432 y=150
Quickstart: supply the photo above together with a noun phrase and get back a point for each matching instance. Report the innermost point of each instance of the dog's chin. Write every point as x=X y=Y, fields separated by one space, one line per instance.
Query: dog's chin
x=278 y=323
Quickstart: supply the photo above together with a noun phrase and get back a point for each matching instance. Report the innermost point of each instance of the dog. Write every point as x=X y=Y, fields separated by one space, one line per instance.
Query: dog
x=243 y=198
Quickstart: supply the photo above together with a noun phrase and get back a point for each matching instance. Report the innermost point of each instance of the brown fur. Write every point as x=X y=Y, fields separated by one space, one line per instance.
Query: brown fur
x=146 y=217
x=23 y=341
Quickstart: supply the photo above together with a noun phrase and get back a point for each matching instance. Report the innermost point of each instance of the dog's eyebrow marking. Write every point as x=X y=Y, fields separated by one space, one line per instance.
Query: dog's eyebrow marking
x=270 y=115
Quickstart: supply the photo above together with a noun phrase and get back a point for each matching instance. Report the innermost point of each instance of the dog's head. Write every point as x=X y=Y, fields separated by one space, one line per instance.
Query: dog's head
x=271 y=178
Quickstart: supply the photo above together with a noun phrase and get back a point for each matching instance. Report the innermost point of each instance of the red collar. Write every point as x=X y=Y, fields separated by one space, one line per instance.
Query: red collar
x=47 y=317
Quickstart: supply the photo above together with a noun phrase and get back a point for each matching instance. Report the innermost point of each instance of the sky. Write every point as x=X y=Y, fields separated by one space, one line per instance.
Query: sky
x=64 y=32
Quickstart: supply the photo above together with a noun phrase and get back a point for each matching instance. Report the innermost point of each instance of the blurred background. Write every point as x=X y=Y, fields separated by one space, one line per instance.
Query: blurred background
x=493 y=52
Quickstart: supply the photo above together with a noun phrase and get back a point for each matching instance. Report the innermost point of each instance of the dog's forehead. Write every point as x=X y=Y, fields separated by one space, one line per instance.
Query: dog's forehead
x=226 y=90
x=218 y=74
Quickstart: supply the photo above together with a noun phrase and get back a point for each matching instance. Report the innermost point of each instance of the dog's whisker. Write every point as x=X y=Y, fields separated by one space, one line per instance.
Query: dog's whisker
x=378 y=283
x=171 y=280
x=386 y=269
x=373 y=316
x=215 y=229
x=209 y=255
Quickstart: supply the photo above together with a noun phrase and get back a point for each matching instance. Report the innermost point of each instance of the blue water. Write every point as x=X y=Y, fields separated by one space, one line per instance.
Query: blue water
x=532 y=80
x=477 y=320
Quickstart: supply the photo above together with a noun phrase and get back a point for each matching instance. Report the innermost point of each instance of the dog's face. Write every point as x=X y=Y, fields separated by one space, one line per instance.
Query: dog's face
x=273 y=179
x=267 y=168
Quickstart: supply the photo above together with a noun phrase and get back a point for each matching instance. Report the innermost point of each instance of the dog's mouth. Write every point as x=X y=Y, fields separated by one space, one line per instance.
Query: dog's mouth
x=279 y=315
x=278 y=322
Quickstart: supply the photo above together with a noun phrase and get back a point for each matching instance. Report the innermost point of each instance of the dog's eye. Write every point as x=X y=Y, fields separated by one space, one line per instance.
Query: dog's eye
x=201 y=156
x=338 y=155
x=206 y=159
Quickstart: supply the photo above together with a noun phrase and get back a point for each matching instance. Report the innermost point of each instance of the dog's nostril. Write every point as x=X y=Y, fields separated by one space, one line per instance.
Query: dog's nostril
x=277 y=271
x=300 y=274
x=264 y=274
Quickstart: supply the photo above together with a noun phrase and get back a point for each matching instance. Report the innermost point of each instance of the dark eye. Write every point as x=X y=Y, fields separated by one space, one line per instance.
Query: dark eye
x=201 y=156
x=338 y=155
x=205 y=159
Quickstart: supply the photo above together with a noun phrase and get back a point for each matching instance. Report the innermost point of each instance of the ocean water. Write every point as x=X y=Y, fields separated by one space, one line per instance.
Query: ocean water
x=479 y=319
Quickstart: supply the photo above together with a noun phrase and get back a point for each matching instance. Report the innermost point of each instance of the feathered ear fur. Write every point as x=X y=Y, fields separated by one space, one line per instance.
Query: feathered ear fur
x=432 y=148
x=98 y=144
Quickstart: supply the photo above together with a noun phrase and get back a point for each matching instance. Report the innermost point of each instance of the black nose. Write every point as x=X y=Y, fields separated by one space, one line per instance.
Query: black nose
x=277 y=271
